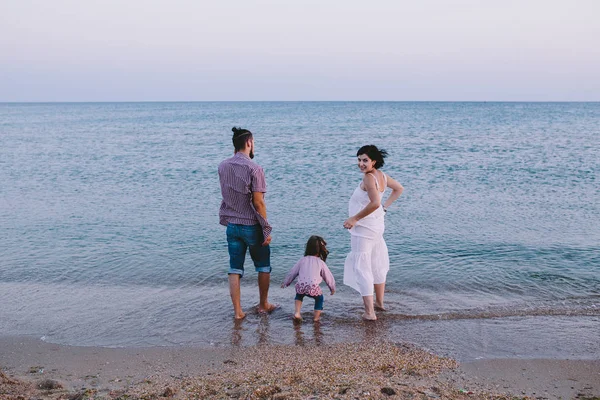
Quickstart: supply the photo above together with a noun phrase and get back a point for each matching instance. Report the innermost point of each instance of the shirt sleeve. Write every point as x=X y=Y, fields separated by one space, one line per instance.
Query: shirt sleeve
x=327 y=276
x=258 y=183
x=292 y=274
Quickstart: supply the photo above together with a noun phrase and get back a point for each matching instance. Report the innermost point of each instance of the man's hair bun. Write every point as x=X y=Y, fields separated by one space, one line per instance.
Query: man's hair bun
x=240 y=137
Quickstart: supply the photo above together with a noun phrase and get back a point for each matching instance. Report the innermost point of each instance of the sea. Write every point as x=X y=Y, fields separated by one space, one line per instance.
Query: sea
x=110 y=236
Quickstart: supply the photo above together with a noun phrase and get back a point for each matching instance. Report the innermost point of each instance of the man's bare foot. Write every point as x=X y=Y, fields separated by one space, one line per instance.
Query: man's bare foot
x=368 y=317
x=268 y=309
x=240 y=316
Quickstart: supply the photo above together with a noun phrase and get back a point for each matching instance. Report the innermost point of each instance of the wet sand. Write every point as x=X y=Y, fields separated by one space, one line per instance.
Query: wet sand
x=345 y=371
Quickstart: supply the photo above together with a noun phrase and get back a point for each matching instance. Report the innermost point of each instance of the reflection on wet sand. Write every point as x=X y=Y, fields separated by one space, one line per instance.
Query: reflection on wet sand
x=262 y=329
x=299 y=338
x=298 y=334
x=378 y=330
x=318 y=335
x=258 y=329
x=461 y=338
x=236 y=332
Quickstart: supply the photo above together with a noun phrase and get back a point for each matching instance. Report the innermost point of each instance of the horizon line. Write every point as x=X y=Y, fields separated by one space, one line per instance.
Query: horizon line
x=297 y=101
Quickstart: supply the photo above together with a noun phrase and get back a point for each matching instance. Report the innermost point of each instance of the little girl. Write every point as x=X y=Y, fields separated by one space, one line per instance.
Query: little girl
x=311 y=270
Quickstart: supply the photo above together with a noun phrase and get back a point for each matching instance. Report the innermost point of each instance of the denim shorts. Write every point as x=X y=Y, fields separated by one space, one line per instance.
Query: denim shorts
x=318 y=300
x=242 y=237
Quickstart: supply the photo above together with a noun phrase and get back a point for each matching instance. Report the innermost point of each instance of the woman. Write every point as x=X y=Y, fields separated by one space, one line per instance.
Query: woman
x=367 y=264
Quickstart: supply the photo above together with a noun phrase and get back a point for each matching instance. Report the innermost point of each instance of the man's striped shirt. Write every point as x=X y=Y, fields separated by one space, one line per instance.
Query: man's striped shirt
x=239 y=177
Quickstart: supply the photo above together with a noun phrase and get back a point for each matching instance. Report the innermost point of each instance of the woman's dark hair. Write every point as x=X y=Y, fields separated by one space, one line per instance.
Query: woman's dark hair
x=374 y=154
x=240 y=137
x=316 y=247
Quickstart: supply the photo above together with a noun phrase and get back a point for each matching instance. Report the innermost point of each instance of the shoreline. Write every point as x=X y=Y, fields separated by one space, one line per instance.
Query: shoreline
x=347 y=370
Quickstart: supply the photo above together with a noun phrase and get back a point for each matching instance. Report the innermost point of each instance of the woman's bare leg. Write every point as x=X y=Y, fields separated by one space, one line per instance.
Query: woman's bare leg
x=379 y=291
x=369 y=314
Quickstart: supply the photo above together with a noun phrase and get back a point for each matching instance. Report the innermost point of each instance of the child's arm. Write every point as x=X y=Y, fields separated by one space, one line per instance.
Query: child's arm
x=328 y=277
x=289 y=278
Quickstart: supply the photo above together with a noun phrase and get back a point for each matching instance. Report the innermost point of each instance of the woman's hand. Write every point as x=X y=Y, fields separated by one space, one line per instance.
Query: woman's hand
x=350 y=222
x=332 y=292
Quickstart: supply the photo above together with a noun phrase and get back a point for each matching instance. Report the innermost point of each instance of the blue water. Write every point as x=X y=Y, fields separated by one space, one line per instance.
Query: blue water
x=110 y=235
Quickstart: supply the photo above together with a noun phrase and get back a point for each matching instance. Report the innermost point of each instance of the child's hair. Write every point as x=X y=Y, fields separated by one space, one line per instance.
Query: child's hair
x=316 y=247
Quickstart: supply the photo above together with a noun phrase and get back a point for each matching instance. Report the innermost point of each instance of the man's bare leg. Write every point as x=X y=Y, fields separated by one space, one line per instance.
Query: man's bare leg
x=235 y=293
x=379 y=291
x=264 y=280
x=369 y=314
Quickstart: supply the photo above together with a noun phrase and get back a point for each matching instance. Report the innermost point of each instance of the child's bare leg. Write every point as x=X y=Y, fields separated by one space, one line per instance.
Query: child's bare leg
x=317 y=315
x=297 y=315
x=369 y=314
x=379 y=291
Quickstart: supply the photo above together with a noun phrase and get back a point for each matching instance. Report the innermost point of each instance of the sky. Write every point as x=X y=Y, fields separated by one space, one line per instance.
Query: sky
x=291 y=50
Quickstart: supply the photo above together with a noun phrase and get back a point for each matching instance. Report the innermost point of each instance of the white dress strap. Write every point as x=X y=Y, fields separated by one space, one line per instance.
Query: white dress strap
x=377 y=181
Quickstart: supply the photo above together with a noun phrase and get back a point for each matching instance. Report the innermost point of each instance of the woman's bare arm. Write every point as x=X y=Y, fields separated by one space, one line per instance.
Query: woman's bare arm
x=374 y=203
x=397 y=190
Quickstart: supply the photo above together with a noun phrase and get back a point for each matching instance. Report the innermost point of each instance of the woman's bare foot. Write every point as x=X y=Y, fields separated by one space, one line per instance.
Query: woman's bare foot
x=240 y=316
x=270 y=307
x=379 y=307
x=371 y=317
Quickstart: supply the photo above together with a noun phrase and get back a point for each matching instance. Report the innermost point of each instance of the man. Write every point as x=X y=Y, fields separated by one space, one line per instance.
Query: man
x=244 y=212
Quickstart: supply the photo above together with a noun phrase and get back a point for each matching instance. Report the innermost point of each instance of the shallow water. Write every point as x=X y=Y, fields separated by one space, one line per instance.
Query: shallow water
x=111 y=236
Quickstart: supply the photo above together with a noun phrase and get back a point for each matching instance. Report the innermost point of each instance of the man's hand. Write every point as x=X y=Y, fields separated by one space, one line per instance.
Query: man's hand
x=267 y=241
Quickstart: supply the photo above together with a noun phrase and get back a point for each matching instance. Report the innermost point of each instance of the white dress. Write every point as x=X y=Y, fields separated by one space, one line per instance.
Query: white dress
x=368 y=262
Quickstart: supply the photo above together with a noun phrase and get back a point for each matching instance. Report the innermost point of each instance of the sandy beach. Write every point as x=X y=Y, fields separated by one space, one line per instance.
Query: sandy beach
x=33 y=369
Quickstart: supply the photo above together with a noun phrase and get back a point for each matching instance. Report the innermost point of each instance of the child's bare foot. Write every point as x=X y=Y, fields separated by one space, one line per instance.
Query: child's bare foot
x=369 y=317
x=297 y=318
x=269 y=308
x=240 y=316
x=317 y=316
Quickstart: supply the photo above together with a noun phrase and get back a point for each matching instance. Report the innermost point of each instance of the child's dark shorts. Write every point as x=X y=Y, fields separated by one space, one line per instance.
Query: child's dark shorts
x=318 y=300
